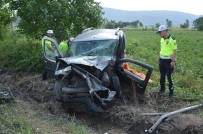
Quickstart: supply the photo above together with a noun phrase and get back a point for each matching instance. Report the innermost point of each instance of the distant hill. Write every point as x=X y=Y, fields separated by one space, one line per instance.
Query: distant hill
x=149 y=18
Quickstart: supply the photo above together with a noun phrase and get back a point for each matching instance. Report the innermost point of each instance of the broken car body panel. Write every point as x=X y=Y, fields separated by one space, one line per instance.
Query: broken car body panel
x=92 y=72
x=100 y=62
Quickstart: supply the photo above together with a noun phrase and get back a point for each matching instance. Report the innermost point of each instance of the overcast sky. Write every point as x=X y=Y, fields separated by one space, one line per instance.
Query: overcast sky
x=188 y=6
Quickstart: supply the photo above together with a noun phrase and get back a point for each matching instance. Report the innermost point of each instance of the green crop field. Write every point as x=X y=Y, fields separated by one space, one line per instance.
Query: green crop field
x=144 y=45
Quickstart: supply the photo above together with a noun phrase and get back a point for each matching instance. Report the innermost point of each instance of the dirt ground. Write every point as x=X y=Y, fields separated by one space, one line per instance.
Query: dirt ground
x=123 y=117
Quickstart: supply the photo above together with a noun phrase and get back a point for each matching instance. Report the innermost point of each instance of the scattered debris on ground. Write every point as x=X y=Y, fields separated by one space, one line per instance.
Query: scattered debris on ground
x=123 y=117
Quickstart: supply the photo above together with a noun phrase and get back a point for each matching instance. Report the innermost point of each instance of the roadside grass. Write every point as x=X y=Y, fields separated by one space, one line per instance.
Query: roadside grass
x=16 y=118
x=20 y=53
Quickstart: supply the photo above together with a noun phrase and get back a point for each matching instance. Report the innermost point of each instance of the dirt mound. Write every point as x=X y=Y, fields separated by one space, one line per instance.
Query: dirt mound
x=136 y=118
x=27 y=87
x=193 y=129
x=132 y=120
x=123 y=116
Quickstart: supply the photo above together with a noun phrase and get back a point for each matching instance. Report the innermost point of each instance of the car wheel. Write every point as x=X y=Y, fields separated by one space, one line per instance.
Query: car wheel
x=116 y=84
x=57 y=92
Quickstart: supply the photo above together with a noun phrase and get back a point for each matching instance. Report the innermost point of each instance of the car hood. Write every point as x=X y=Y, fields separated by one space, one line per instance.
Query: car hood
x=100 y=62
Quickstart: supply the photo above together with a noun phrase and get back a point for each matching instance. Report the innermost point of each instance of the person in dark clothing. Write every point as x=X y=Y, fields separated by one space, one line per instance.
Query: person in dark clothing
x=167 y=59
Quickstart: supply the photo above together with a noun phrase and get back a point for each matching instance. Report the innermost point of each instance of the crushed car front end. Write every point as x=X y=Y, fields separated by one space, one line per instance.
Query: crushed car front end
x=91 y=74
x=86 y=75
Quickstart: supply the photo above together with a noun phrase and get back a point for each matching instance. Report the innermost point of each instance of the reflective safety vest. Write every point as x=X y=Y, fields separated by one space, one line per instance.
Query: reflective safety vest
x=47 y=45
x=168 y=46
x=63 y=46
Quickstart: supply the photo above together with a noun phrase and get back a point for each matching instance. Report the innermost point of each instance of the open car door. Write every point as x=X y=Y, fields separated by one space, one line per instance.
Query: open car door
x=50 y=50
x=128 y=77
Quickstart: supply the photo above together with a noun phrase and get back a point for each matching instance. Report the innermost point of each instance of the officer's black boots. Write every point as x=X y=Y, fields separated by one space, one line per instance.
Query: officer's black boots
x=162 y=90
x=171 y=89
x=171 y=94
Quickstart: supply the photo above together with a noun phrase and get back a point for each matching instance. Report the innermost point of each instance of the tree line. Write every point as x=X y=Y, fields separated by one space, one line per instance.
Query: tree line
x=198 y=24
x=112 y=24
x=66 y=17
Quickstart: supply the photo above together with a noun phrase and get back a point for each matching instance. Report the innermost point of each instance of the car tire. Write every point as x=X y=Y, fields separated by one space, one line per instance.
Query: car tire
x=57 y=92
x=116 y=84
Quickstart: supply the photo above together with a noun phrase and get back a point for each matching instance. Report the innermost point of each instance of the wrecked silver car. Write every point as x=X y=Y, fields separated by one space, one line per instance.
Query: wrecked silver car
x=91 y=71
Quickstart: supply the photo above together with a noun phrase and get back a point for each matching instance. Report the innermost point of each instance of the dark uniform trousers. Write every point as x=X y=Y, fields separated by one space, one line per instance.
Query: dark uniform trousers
x=166 y=70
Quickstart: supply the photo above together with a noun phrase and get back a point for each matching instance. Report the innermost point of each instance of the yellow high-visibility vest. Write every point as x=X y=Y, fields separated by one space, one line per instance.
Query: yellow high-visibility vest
x=168 y=46
x=63 y=46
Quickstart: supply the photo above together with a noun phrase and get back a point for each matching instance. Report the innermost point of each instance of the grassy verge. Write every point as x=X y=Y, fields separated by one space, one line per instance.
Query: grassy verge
x=20 y=53
x=19 y=119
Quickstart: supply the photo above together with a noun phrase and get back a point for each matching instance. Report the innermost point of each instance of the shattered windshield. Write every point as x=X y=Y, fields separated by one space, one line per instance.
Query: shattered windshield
x=94 y=48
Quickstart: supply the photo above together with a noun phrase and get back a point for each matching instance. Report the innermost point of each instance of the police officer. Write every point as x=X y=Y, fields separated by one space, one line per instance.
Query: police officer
x=167 y=58
x=50 y=33
x=48 y=50
x=64 y=46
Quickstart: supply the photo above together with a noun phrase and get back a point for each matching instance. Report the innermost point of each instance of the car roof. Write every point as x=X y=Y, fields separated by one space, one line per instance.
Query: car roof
x=97 y=34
